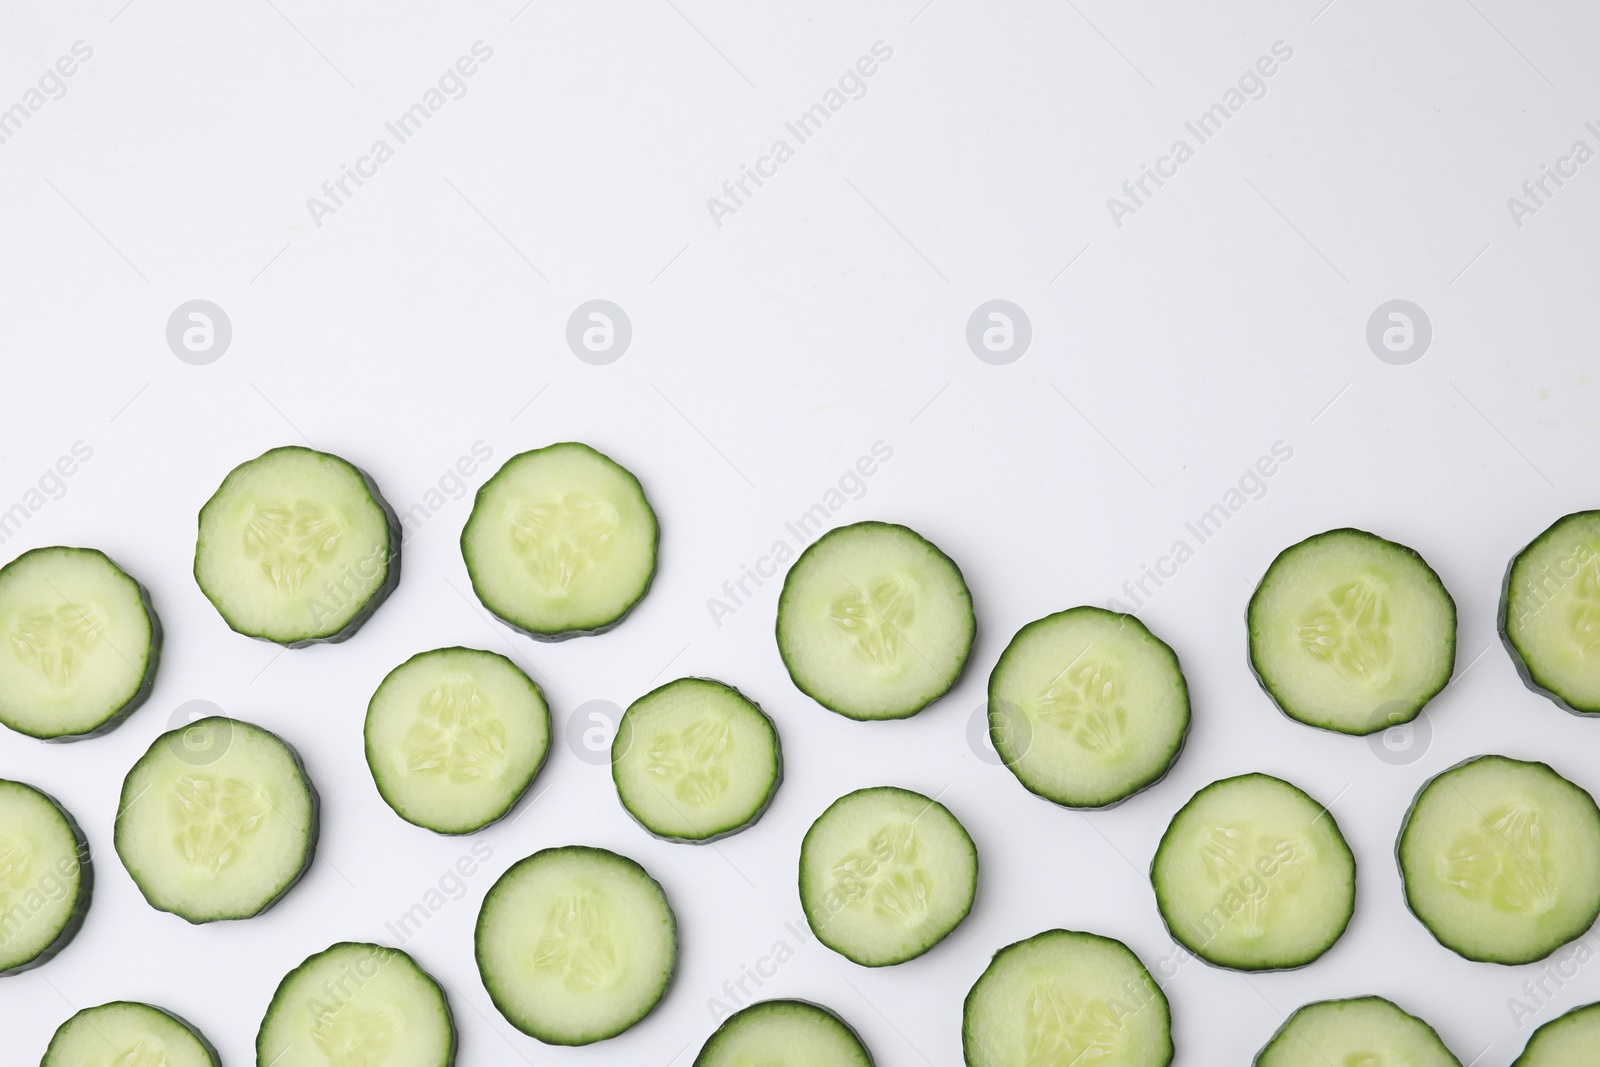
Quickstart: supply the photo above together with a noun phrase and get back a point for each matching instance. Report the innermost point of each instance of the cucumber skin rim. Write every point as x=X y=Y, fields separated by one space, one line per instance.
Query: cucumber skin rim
x=1524 y=670
x=772 y=791
x=600 y=627
x=961 y=580
x=152 y=660
x=1261 y=680
x=80 y=907
x=1177 y=750
x=1293 y=966
x=1569 y=1017
x=544 y=758
x=391 y=560
x=1405 y=889
x=194 y=1031
x=1283 y=1030
x=784 y=1002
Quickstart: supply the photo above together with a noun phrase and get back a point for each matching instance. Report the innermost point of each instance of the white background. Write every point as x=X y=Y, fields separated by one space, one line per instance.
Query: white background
x=768 y=354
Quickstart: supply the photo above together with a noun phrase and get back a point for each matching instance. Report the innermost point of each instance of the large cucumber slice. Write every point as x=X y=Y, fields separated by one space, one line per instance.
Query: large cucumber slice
x=297 y=547
x=1351 y=633
x=886 y=874
x=1501 y=860
x=1550 y=613
x=1355 y=1032
x=1254 y=875
x=127 y=1034
x=784 y=1033
x=576 y=944
x=83 y=641
x=561 y=542
x=874 y=622
x=1567 y=1041
x=45 y=877
x=695 y=760
x=354 y=1005
x=1087 y=707
x=454 y=737
x=217 y=820
x=1063 y=997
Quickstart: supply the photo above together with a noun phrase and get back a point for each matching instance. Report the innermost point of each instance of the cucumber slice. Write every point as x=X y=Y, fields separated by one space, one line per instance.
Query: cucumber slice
x=1361 y=1030
x=297 y=547
x=1063 y=997
x=83 y=644
x=886 y=874
x=784 y=1033
x=127 y=1033
x=561 y=542
x=354 y=1005
x=576 y=944
x=1501 y=860
x=217 y=820
x=1254 y=875
x=1550 y=613
x=1351 y=633
x=454 y=737
x=1567 y=1041
x=1087 y=707
x=874 y=622
x=45 y=877
x=695 y=760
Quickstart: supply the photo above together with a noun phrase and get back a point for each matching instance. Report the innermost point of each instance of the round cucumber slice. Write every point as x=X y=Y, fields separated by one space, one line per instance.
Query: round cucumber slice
x=1501 y=860
x=695 y=760
x=784 y=1033
x=561 y=542
x=297 y=547
x=576 y=944
x=454 y=737
x=83 y=644
x=125 y=1032
x=1087 y=707
x=874 y=622
x=356 y=1004
x=45 y=877
x=1254 y=875
x=1351 y=633
x=885 y=875
x=1063 y=997
x=1567 y=1041
x=217 y=820
x=1361 y=1030
x=1550 y=613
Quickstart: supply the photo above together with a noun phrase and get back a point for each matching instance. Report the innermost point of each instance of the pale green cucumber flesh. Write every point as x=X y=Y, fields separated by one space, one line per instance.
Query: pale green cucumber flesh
x=128 y=1033
x=1567 y=1041
x=784 y=1033
x=1359 y=1032
x=46 y=878
x=1550 y=613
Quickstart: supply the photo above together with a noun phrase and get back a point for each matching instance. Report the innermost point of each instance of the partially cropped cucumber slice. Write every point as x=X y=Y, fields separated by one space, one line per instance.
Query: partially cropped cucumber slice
x=356 y=1004
x=1253 y=874
x=874 y=621
x=1351 y=633
x=1567 y=1041
x=1063 y=997
x=297 y=547
x=1550 y=613
x=576 y=944
x=45 y=877
x=82 y=644
x=1087 y=707
x=784 y=1033
x=561 y=542
x=454 y=738
x=1355 y=1032
x=886 y=874
x=127 y=1033
x=1501 y=860
x=217 y=821
x=695 y=760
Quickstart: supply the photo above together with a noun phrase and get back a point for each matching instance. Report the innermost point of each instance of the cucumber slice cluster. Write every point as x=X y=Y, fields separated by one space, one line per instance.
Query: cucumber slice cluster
x=1501 y=860
x=45 y=877
x=1567 y=1041
x=1361 y=1030
x=784 y=1033
x=127 y=1033
x=1550 y=613
x=80 y=644
x=1351 y=633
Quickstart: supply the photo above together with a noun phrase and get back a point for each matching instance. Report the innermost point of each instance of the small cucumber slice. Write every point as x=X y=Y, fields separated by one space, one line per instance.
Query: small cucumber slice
x=695 y=760
x=1361 y=1030
x=1087 y=707
x=297 y=547
x=886 y=874
x=1550 y=613
x=1063 y=997
x=1567 y=1041
x=83 y=644
x=784 y=1033
x=217 y=820
x=125 y=1032
x=1501 y=860
x=561 y=542
x=874 y=622
x=1254 y=875
x=356 y=1004
x=1351 y=633
x=454 y=737
x=576 y=944
x=45 y=877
